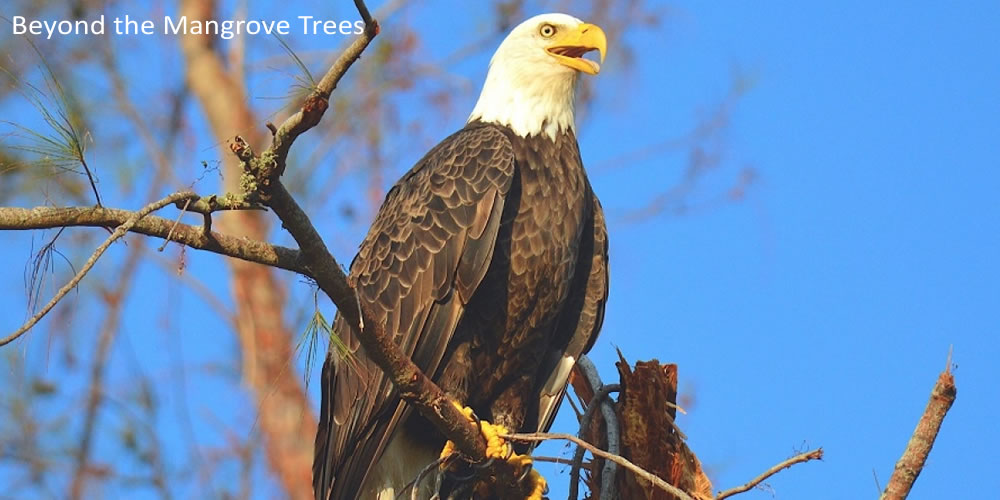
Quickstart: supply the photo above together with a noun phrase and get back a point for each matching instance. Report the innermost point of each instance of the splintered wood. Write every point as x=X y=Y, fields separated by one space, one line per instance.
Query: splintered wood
x=646 y=408
x=650 y=438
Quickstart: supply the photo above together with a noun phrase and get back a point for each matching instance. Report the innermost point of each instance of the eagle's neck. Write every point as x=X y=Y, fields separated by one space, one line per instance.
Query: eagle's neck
x=529 y=103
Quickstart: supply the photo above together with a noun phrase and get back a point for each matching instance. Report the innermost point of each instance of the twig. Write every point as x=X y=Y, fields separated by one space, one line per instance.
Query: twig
x=363 y=10
x=206 y=227
x=210 y=204
x=118 y=233
x=816 y=454
x=618 y=459
x=177 y=221
x=558 y=460
x=912 y=462
x=595 y=403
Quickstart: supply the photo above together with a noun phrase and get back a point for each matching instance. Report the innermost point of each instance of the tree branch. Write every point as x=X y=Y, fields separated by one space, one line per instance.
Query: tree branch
x=816 y=454
x=12 y=218
x=915 y=455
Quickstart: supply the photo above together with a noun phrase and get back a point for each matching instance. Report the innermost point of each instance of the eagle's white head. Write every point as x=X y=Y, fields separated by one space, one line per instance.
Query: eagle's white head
x=530 y=84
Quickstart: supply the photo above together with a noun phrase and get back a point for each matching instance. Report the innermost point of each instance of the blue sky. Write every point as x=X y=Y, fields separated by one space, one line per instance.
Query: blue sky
x=816 y=311
x=820 y=311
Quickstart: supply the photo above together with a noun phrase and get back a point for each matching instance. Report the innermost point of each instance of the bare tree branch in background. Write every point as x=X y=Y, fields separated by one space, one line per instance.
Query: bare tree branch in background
x=919 y=447
x=705 y=150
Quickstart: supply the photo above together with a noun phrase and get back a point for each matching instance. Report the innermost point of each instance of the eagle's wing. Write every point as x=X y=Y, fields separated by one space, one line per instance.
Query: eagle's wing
x=426 y=252
x=582 y=315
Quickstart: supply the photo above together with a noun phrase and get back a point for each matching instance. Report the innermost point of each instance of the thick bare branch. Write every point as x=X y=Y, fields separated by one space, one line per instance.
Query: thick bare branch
x=12 y=218
x=912 y=462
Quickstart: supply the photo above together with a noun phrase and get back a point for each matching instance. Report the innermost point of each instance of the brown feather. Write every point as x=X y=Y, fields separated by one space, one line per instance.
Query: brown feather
x=405 y=269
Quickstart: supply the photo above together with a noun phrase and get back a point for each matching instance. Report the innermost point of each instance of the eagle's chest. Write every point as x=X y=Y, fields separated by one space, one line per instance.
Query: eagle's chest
x=545 y=233
x=509 y=325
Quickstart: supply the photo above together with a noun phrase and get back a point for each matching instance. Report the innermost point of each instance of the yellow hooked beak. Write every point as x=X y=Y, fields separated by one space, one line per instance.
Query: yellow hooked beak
x=569 y=47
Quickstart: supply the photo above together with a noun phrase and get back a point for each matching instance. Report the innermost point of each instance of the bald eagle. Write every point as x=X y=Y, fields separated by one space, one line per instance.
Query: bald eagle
x=487 y=261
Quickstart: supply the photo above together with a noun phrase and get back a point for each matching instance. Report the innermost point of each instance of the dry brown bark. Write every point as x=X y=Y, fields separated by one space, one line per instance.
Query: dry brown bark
x=650 y=439
x=285 y=416
x=912 y=462
x=645 y=411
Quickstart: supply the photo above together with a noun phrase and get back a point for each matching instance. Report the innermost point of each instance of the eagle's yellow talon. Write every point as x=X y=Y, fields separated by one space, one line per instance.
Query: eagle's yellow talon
x=449 y=447
x=538 y=485
x=465 y=410
x=520 y=461
x=499 y=448
x=496 y=447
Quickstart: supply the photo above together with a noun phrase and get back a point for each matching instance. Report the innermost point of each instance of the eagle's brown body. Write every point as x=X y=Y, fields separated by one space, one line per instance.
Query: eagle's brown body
x=488 y=260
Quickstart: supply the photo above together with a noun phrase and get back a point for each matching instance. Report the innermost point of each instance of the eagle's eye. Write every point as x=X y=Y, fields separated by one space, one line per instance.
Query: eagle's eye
x=547 y=30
